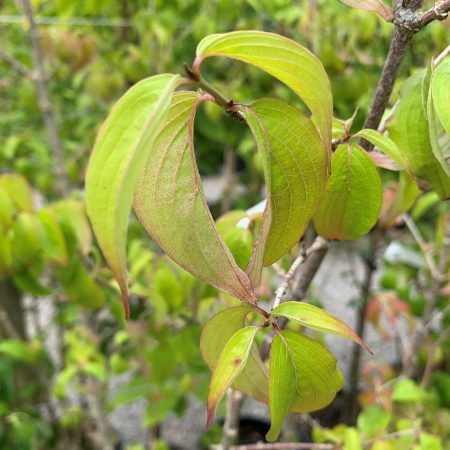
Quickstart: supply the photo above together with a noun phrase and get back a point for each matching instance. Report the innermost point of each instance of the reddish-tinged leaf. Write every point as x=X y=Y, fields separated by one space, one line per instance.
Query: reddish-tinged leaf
x=169 y=201
x=316 y=318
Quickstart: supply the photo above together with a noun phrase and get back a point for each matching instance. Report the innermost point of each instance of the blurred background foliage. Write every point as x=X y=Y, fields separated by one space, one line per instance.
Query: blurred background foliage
x=63 y=332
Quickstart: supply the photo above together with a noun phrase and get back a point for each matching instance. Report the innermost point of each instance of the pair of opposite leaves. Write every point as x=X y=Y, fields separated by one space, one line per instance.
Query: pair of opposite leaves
x=301 y=376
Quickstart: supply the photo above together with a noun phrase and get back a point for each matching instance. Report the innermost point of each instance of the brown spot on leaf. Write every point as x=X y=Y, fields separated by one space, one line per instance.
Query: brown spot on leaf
x=237 y=361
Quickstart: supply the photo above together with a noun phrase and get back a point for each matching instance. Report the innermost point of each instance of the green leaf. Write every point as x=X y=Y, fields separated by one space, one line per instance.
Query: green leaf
x=423 y=204
x=386 y=145
x=170 y=203
x=440 y=83
x=253 y=380
x=167 y=285
x=438 y=113
x=71 y=215
x=408 y=391
x=429 y=442
x=282 y=385
x=53 y=242
x=284 y=59
x=6 y=261
x=135 y=389
x=29 y=282
x=318 y=378
x=316 y=318
x=28 y=352
x=353 y=198
x=26 y=240
x=19 y=191
x=352 y=439
x=295 y=167
x=373 y=422
x=6 y=211
x=230 y=363
x=80 y=288
x=116 y=163
x=409 y=130
x=239 y=241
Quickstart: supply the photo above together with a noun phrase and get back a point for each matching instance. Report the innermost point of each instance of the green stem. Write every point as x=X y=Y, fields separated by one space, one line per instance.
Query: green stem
x=220 y=98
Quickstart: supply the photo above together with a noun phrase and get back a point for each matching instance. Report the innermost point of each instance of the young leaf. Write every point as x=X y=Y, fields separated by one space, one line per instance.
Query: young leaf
x=409 y=130
x=6 y=211
x=253 y=379
x=230 y=363
x=284 y=59
x=19 y=191
x=282 y=385
x=26 y=240
x=318 y=378
x=53 y=242
x=116 y=162
x=377 y=6
x=170 y=203
x=295 y=166
x=316 y=318
x=353 y=198
x=386 y=145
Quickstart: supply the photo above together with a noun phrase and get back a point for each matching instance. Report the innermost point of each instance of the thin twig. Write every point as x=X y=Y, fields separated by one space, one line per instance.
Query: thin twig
x=388 y=118
x=62 y=182
x=442 y=55
x=231 y=424
x=302 y=278
x=432 y=296
x=370 y=268
x=397 y=51
x=425 y=248
x=439 y=11
x=430 y=357
x=68 y=21
x=8 y=327
x=15 y=64
x=393 y=435
x=284 y=286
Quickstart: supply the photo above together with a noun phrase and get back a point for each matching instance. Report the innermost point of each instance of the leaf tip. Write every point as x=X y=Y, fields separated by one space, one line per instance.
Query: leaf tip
x=272 y=434
x=125 y=301
x=360 y=342
x=210 y=416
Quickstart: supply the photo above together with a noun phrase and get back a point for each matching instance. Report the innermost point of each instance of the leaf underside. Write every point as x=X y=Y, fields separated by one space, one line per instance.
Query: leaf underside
x=170 y=203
